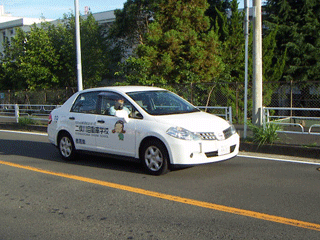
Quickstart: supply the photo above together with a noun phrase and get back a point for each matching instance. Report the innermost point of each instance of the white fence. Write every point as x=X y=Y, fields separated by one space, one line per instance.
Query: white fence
x=41 y=112
x=293 y=120
x=35 y=112
x=224 y=112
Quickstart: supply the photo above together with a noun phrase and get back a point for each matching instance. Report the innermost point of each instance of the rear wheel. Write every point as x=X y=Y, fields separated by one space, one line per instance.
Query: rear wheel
x=66 y=147
x=154 y=157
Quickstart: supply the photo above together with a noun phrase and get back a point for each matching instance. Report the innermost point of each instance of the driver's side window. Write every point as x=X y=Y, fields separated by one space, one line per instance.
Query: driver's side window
x=110 y=102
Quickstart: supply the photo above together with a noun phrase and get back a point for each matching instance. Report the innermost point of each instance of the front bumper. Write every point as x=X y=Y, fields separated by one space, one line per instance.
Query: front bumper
x=184 y=152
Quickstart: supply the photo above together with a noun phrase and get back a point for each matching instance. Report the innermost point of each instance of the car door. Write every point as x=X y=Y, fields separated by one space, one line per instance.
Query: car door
x=82 y=121
x=118 y=135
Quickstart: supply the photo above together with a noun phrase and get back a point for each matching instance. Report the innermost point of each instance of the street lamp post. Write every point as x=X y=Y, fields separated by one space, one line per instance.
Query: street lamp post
x=78 y=45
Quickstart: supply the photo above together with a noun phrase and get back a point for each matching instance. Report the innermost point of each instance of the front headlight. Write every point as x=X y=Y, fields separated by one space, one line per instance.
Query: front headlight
x=230 y=131
x=181 y=133
x=233 y=129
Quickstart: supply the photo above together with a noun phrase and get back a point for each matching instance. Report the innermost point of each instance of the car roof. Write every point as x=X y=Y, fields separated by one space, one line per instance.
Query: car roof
x=125 y=89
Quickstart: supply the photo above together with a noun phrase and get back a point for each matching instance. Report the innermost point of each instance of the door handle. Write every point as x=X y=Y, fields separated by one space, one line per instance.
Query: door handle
x=100 y=121
x=72 y=118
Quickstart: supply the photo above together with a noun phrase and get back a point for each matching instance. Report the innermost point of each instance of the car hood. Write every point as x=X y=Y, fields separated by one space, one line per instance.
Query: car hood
x=195 y=122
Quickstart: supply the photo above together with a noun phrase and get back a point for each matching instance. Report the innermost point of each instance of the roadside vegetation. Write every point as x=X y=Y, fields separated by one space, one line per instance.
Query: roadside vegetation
x=26 y=121
x=265 y=134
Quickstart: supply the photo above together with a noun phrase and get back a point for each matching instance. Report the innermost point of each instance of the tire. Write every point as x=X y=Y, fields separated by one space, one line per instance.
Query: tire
x=154 y=157
x=66 y=147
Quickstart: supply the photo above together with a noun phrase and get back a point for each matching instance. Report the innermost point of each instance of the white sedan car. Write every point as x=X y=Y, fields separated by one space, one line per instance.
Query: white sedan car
x=148 y=124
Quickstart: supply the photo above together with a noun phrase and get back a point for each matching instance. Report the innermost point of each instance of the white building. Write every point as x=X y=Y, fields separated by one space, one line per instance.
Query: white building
x=8 y=24
x=105 y=18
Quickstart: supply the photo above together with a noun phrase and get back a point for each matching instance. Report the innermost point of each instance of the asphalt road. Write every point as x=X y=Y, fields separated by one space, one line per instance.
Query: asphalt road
x=247 y=197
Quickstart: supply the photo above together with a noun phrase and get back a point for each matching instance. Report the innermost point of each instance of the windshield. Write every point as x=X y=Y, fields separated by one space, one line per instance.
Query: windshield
x=162 y=102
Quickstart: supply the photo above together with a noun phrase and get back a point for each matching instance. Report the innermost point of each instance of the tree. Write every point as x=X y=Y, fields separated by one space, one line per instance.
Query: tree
x=94 y=51
x=63 y=40
x=216 y=8
x=299 y=33
x=228 y=23
x=230 y=31
x=132 y=23
x=11 y=77
x=178 y=47
x=32 y=56
x=273 y=65
x=44 y=57
x=39 y=63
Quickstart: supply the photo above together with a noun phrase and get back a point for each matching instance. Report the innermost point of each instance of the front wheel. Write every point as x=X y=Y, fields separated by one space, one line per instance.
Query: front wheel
x=66 y=147
x=154 y=157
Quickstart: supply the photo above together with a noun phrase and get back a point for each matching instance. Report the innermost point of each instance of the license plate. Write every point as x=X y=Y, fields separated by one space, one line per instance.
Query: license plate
x=223 y=150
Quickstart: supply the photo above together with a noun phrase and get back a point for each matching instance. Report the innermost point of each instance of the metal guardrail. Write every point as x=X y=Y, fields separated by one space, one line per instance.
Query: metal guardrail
x=41 y=112
x=268 y=119
x=314 y=125
x=227 y=112
x=34 y=112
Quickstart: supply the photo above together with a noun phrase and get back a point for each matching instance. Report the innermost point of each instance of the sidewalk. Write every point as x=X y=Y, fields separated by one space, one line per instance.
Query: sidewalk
x=295 y=145
x=289 y=144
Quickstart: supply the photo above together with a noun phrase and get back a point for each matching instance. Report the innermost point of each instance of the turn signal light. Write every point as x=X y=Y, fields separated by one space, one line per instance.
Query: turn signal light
x=50 y=119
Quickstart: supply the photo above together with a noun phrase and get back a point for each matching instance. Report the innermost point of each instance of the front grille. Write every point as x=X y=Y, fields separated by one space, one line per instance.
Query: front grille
x=225 y=134
x=208 y=136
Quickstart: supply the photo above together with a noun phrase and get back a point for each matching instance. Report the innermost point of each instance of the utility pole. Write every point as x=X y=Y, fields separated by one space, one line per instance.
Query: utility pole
x=257 y=64
x=78 y=45
x=246 y=34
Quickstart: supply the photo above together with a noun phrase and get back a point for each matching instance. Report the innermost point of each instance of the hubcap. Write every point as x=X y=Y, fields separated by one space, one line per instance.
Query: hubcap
x=153 y=158
x=65 y=147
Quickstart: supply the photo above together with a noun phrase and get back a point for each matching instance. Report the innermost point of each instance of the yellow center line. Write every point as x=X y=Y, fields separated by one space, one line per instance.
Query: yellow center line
x=247 y=213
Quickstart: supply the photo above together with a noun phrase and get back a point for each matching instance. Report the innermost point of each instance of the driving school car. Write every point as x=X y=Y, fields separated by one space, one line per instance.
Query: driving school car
x=148 y=124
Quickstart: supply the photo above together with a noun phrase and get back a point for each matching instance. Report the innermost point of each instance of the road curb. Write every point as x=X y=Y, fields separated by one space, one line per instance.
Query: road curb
x=16 y=126
x=287 y=150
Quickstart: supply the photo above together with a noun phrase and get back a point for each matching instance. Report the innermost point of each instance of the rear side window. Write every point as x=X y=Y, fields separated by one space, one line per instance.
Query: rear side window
x=86 y=103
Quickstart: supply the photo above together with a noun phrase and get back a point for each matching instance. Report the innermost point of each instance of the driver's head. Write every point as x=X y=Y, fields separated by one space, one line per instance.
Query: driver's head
x=119 y=104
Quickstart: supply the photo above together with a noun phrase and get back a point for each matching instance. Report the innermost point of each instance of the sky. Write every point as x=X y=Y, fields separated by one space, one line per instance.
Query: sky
x=54 y=9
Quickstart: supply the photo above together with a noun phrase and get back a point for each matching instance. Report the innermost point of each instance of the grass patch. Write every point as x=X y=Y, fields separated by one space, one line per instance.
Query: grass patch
x=265 y=135
x=25 y=121
x=312 y=145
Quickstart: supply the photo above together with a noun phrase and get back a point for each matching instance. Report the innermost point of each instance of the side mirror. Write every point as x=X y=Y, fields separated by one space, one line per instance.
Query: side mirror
x=138 y=115
x=123 y=114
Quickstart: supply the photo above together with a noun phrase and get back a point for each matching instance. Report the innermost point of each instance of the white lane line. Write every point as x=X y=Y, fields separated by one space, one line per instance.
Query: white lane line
x=281 y=159
x=21 y=132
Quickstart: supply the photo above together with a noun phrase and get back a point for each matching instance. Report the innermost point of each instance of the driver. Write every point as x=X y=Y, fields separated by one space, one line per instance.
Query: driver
x=118 y=105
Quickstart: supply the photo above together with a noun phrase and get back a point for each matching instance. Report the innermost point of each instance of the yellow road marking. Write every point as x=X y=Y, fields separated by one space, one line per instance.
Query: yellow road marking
x=252 y=214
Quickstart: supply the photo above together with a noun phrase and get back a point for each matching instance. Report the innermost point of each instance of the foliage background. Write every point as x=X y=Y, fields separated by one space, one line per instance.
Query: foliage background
x=176 y=44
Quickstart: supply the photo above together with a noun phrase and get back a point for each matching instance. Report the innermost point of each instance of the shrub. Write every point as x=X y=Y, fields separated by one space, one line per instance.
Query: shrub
x=25 y=121
x=265 y=135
